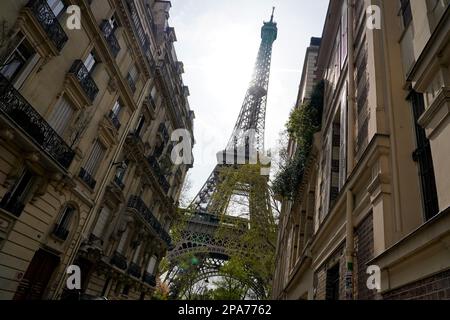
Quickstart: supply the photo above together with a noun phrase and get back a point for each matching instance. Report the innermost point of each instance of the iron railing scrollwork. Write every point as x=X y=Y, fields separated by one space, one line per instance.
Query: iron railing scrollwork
x=153 y=162
x=84 y=78
x=46 y=18
x=134 y=270
x=87 y=178
x=119 y=260
x=114 y=120
x=110 y=37
x=138 y=204
x=17 y=109
x=119 y=183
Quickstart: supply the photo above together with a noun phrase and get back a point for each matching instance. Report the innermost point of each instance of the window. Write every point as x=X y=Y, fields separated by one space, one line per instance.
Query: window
x=96 y=156
x=424 y=158
x=117 y=108
x=20 y=62
x=152 y=265
x=405 y=11
x=14 y=200
x=113 y=22
x=62 y=226
x=344 y=34
x=132 y=77
x=332 y=290
x=90 y=62
x=115 y=114
x=140 y=125
x=122 y=170
x=57 y=6
x=123 y=241
x=61 y=116
x=102 y=221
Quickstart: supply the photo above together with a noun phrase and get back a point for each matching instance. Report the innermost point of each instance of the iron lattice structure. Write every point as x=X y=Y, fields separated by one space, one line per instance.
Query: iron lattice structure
x=207 y=213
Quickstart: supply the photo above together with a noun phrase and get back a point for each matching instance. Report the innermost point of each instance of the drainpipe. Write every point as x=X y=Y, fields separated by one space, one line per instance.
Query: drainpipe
x=349 y=242
x=351 y=89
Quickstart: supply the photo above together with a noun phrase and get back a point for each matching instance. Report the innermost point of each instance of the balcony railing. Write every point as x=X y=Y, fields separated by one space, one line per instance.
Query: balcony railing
x=134 y=270
x=87 y=178
x=17 y=110
x=149 y=279
x=84 y=78
x=119 y=260
x=137 y=204
x=137 y=26
x=114 y=120
x=119 y=183
x=153 y=162
x=110 y=38
x=46 y=18
x=60 y=232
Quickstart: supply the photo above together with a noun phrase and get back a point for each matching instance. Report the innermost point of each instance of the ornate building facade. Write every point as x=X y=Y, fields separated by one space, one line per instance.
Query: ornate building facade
x=375 y=190
x=86 y=118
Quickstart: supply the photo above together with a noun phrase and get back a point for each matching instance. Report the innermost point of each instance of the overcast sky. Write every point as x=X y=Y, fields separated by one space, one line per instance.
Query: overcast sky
x=218 y=42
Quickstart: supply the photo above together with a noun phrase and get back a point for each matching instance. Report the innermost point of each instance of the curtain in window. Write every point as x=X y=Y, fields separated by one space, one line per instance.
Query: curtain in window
x=96 y=156
x=151 y=265
x=102 y=221
x=57 y=6
x=61 y=116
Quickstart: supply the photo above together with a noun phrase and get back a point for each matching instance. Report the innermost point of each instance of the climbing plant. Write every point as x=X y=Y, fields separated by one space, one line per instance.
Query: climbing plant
x=303 y=123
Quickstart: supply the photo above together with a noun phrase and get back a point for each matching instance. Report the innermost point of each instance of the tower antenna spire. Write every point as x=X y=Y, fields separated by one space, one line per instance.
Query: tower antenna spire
x=273 y=11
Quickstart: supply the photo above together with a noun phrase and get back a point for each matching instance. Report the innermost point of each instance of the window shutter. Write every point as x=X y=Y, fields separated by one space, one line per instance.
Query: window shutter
x=102 y=221
x=61 y=116
x=97 y=153
x=151 y=265
x=123 y=241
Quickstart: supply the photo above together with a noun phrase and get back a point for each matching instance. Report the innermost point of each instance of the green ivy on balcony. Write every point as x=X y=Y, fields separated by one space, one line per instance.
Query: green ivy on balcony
x=303 y=123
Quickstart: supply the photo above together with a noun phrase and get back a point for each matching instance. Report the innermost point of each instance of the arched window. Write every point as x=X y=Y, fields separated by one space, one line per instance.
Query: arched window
x=62 y=227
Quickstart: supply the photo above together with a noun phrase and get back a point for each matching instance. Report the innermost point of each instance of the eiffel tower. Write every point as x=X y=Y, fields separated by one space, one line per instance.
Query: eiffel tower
x=208 y=211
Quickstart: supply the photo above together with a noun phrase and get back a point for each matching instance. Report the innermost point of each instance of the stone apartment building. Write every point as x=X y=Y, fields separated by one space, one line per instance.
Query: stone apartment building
x=86 y=117
x=375 y=191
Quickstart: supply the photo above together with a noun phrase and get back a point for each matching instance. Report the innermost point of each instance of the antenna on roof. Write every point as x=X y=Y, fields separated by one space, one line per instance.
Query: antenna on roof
x=273 y=11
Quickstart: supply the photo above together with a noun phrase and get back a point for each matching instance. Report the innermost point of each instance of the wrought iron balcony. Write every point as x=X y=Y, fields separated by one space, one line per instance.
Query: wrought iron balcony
x=11 y=205
x=149 y=279
x=137 y=26
x=110 y=37
x=119 y=183
x=84 y=78
x=138 y=204
x=60 y=232
x=153 y=162
x=87 y=178
x=134 y=270
x=18 y=111
x=119 y=260
x=114 y=119
x=46 y=18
